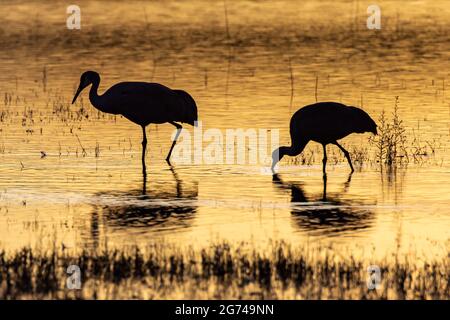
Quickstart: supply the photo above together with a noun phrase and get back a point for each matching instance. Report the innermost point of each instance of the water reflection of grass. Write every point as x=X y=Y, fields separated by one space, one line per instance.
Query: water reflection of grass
x=219 y=271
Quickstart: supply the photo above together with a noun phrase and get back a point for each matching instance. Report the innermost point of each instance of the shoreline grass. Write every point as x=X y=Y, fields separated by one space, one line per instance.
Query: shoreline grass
x=218 y=271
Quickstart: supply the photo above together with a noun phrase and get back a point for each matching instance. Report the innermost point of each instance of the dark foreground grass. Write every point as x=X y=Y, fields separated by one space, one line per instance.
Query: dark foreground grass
x=221 y=271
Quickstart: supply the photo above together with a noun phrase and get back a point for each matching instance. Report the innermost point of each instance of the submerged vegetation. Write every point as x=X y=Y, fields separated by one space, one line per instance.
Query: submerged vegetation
x=218 y=271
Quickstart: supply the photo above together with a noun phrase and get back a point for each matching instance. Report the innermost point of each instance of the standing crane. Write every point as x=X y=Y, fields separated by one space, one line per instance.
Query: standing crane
x=142 y=103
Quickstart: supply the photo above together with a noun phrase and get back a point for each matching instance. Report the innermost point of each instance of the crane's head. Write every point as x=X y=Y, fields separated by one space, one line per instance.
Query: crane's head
x=362 y=122
x=277 y=155
x=190 y=115
x=86 y=79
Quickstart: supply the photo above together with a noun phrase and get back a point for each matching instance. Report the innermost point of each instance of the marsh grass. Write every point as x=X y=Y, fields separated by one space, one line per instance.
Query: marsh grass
x=97 y=149
x=394 y=147
x=220 y=270
x=390 y=143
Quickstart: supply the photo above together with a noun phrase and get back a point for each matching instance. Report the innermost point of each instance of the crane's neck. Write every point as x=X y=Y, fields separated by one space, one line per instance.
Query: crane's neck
x=98 y=101
x=292 y=151
x=280 y=152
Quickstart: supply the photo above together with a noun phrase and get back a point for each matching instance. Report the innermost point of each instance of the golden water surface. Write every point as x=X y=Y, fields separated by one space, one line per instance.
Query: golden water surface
x=71 y=175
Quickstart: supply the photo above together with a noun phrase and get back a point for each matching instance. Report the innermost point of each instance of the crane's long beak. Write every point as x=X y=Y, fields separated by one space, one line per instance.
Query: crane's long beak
x=80 y=88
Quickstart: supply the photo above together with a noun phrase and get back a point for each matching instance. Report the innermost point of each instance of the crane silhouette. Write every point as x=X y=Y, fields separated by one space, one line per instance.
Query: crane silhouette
x=142 y=103
x=325 y=123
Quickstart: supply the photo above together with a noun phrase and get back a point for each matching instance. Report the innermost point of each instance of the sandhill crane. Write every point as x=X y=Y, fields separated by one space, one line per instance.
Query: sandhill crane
x=142 y=103
x=324 y=122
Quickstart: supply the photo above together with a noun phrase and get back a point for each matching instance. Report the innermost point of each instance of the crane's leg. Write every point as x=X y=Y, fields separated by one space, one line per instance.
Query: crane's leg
x=324 y=161
x=178 y=181
x=347 y=183
x=179 y=127
x=144 y=148
x=324 y=194
x=346 y=153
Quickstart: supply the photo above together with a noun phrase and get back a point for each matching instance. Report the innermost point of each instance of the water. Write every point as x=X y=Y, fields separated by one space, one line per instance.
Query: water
x=87 y=191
